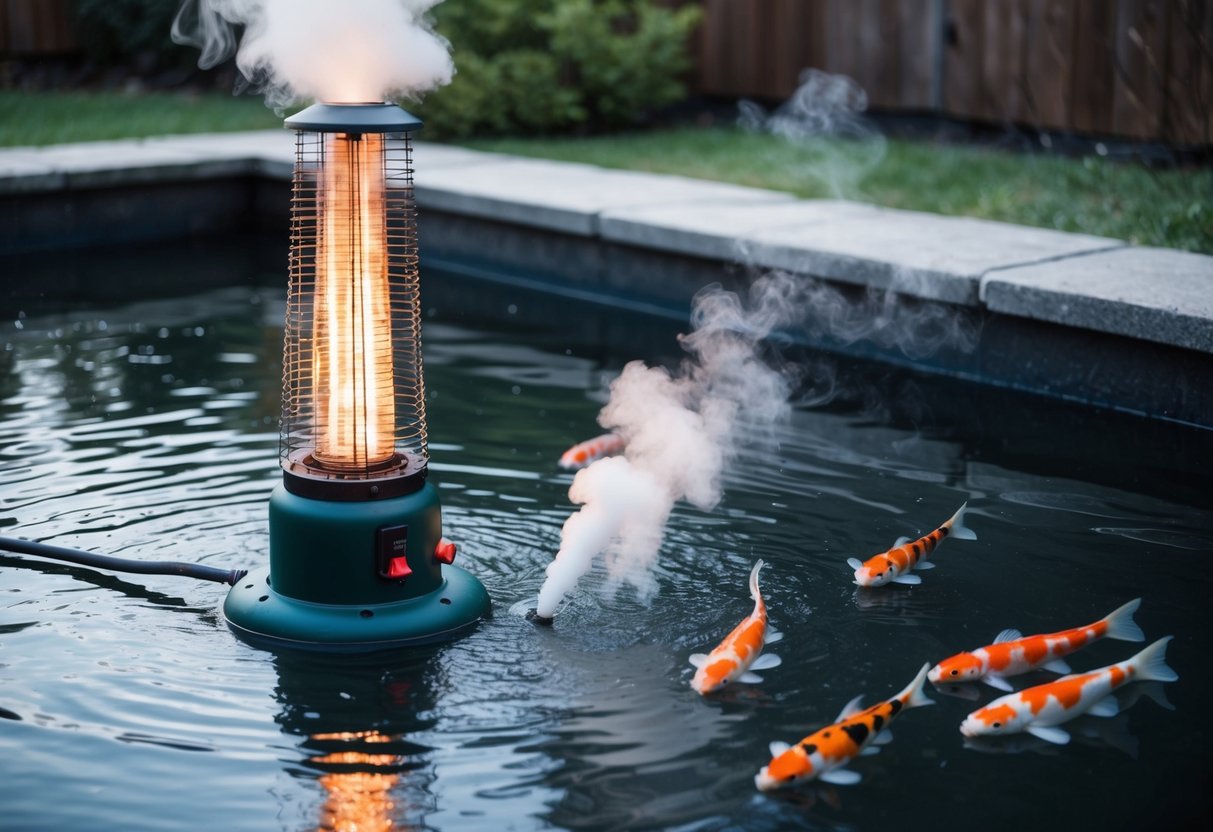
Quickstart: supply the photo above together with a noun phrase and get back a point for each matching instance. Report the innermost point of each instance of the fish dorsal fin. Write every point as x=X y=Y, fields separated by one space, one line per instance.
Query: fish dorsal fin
x=1010 y=634
x=698 y=659
x=901 y=541
x=908 y=580
x=1054 y=735
x=854 y=563
x=850 y=709
x=766 y=661
x=841 y=777
x=925 y=564
x=776 y=748
x=772 y=636
x=997 y=682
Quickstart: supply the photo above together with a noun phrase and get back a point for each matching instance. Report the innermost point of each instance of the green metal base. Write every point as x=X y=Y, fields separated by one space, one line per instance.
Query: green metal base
x=354 y=577
x=263 y=617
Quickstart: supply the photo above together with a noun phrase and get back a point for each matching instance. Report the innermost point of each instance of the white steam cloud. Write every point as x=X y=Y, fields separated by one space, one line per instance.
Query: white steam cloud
x=824 y=119
x=337 y=51
x=681 y=430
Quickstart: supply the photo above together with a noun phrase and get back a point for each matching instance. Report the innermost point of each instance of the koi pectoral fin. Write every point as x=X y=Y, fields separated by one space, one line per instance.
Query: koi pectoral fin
x=749 y=678
x=698 y=659
x=766 y=661
x=1054 y=735
x=908 y=580
x=841 y=777
x=776 y=748
x=854 y=563
x=772 y=636
x=1056 y=666
x=883 y=738
x=869 y=750
x=1106 y=707
x=997 y=682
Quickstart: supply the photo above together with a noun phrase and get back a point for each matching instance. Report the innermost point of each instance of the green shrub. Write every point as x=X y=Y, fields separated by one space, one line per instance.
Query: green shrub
x=557 y=65
x=127 y=32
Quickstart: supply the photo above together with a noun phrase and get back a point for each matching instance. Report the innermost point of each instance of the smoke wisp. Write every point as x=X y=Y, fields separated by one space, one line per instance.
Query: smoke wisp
x=681 y=430
x=824 y=120
x=353 y=51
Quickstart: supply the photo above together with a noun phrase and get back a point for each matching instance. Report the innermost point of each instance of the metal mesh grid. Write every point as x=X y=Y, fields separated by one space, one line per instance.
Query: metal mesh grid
x=383 y=211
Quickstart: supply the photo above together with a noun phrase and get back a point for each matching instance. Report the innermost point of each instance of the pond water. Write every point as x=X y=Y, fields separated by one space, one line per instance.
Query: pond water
x=137 y=418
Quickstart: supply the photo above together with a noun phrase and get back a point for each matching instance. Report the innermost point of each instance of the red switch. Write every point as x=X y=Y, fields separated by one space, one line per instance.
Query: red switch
x=444 y=552
x=397 y=568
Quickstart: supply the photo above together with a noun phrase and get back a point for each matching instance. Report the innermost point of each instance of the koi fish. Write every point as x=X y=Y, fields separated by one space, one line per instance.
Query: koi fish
x=1039 y=710
x=591 y=450
x=1012 y=653
x=895 y=564
x=825 y=754
x=737 y=657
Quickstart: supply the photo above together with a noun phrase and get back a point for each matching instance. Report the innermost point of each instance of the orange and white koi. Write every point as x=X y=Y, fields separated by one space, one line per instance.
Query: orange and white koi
x=737 y=657
x=1040 y=709
x=895 y=564
x=825 y=754
x=591 y=450
x=1012 y=653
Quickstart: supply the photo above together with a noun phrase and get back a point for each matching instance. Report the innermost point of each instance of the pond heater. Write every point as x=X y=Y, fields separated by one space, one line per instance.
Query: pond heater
x=357 y=558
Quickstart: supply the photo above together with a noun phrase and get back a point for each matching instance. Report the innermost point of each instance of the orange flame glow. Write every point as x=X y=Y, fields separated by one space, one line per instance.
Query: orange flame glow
x=352 y=353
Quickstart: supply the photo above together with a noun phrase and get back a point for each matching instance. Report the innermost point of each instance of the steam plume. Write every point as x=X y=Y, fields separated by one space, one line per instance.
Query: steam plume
x=824 y=119
x=351 y=51
x=681 y=431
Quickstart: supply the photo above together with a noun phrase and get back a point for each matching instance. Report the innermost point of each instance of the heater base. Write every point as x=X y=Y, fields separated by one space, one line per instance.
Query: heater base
x=265 y=618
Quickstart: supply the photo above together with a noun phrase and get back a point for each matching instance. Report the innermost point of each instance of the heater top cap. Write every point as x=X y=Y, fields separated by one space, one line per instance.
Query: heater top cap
x=354 y=118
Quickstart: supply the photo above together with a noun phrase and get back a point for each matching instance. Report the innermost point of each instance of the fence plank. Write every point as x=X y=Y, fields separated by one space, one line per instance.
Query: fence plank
x=1094 y=74
x=1139 y=59
x=1187 y=117
x=1049 y=63
x=918 y=25
x=962 y=86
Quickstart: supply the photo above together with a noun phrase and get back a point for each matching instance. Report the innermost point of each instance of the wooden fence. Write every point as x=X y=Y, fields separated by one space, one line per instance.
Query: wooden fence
x=1141 y=69
x=37 y=27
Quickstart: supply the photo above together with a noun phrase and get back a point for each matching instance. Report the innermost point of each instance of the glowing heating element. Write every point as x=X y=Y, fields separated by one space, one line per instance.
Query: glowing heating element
x=352 y=354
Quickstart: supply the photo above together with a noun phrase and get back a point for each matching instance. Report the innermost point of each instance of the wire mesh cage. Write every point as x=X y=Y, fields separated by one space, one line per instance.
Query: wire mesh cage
x=353 y=399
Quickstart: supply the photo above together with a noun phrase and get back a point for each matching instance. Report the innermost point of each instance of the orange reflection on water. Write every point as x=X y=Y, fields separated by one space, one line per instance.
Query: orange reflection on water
x=357 y=800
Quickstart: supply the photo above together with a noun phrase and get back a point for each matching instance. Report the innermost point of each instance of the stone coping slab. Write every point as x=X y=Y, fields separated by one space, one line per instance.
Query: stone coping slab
x=1071 y=279
x=923 y=255
x=561 y=196
x=1154 y=294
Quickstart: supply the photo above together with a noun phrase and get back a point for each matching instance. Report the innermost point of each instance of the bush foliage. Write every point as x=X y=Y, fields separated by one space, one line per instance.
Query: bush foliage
x=522 y=66
x=557 y=65
x=125 y=32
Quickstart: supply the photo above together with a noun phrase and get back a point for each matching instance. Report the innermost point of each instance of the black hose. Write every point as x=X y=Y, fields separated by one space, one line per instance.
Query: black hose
x=143 y=567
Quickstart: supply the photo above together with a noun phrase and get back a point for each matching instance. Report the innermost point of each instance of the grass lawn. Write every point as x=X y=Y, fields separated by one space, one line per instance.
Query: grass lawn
x=1091 y=195
x=38 y=118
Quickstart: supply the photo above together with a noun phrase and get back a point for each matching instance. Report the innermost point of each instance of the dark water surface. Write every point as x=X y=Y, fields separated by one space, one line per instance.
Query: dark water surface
x=146 y=429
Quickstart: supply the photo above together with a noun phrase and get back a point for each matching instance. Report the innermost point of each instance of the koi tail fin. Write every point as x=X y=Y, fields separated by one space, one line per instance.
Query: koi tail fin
x=957 y=527
x=1121 y=625
x=1151 y=663
x=913 y=695
x=754 y=593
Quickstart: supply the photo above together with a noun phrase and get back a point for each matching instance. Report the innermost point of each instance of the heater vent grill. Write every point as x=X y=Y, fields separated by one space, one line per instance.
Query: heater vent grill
x=353 y=388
